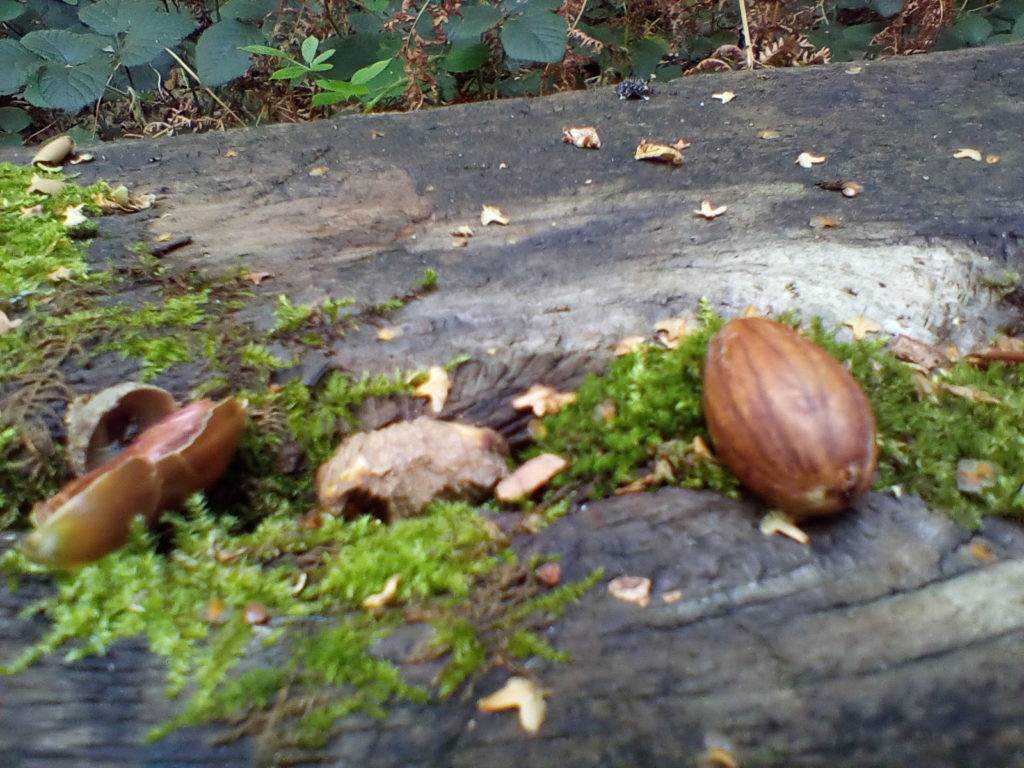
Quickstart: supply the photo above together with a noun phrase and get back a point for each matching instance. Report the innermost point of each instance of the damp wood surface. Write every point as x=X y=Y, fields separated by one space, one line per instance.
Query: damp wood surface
x=893 y=639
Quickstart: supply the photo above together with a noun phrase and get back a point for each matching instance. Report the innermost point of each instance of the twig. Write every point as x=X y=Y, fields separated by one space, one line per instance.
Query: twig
x=195 y=77
x=746 y=34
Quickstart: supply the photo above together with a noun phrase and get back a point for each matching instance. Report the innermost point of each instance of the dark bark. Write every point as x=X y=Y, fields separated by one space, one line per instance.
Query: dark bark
x=890 y=640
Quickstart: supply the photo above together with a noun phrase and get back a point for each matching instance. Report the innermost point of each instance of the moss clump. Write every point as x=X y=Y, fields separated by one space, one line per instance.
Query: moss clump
x=639 y=419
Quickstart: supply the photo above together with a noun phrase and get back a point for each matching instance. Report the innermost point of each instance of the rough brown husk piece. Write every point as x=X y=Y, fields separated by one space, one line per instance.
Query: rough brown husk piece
x=395 y=471
x=787 y=418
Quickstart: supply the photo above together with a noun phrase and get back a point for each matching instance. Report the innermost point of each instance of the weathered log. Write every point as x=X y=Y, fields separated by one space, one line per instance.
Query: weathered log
x=890 y=640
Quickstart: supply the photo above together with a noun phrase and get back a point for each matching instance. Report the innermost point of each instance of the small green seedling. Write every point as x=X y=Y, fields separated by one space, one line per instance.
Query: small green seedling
x=312 y=61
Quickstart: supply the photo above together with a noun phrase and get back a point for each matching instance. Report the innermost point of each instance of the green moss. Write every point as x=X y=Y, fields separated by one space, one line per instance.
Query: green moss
x=639 y=420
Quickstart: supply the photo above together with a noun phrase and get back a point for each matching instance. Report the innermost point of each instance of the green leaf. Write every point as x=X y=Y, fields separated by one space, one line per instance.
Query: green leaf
x=16 y=65
x=475 y=20
x=539 y=36
x=220 y=54
x=10 y=10
x=71 y=88
x=973 y=29
x=353 y=52
x=337 y=90
x=63 y=47
x=322 y=57
x=13 y=119
x=309 y=46
x=366 y=74
x=248 y=9
x=287 y=73
x=1011 y=10
x=466 y=57
x=108 y=17
x=645 y=55
x=150 y=33
x=377 y=6
x=267 y=51
x=887 y=8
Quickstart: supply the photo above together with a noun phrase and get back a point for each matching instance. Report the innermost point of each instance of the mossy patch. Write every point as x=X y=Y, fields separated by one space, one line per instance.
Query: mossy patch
x=639 y=419
x=253 y=543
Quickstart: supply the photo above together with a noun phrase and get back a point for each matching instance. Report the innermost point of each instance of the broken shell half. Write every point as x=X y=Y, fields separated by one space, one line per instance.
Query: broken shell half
x=102 y=425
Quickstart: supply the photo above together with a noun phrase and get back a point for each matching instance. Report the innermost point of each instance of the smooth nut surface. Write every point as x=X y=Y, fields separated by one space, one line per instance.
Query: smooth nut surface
x=787 y=418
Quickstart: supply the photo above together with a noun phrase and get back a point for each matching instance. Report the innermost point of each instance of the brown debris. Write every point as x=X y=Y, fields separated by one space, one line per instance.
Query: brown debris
x=532 y=475
x=395 y=471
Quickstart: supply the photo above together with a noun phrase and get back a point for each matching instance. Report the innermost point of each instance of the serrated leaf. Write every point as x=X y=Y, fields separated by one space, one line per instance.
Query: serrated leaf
x=466 y=57
x=475 y=20
x=10 y=10
x=150 y=33
x=539 y=37
x=16 y=65
x=63 y=47
x=13 y=119
x=973 y=29
x=71 y=88
x=218 y=58
x=248 y=9
x=366 y=74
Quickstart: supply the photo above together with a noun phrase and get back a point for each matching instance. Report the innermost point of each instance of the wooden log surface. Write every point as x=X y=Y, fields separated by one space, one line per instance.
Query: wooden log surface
x=889 y=641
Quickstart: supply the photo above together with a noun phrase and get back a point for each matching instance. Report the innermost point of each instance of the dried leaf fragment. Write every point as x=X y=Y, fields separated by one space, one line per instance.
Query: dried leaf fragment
x=709 y=211
x=768 y=134
x=120 y=199
x=973 y=394
x=6 y=324
x=435 y=388
x=256 y=277
x=535 y=473
x=44 y=186
x=862 y=326
x=463 y=231
x=582 y=136
x=522 y=694
x=491 y=214
x=975 y=475
x=29 y=211
x=992 y=159
x=543 y=399
x=389 y=332
x=662 y=153
x=378 y=600
x=631 y=589
x=968 y=153
x=780 y=522
x=826 y=222
x=60 y=274
x=672 y=330
x=809 y=159
x=927 y=356
x=231 y=152
x=54 y=152
x=73 y=216
x=725 y=96
x=626 y=345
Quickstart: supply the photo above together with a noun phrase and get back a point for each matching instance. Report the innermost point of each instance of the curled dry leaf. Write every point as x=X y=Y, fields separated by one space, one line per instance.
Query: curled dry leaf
x=435 y=388
x=973 y=394
x=54 y=152
x=464 y=231
x=632 y=589
x=672 y=330
x=725 y=96
x=543 y=400
x=73 y=216
x=683 y=144
x=927 y=356
x=491 y=214
x=6 y=324
x=968 y=153
x=662 y=153
x=378 y=600
x=780 y=522
x=319 y=170
x=43 y=186
x=862 y=326
x=120 y=199
x=522 y=694
x=389 y=332
x=395 y=471
x=975 y=475
x=709 y=211
x=583 y=136
x=992 y=159
x=626 y=345
x=535 y=473
x=809 y=159
x=768 y=134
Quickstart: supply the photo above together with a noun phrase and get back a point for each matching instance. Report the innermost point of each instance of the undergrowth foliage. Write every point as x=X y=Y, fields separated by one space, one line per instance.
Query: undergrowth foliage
x=149 y=67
